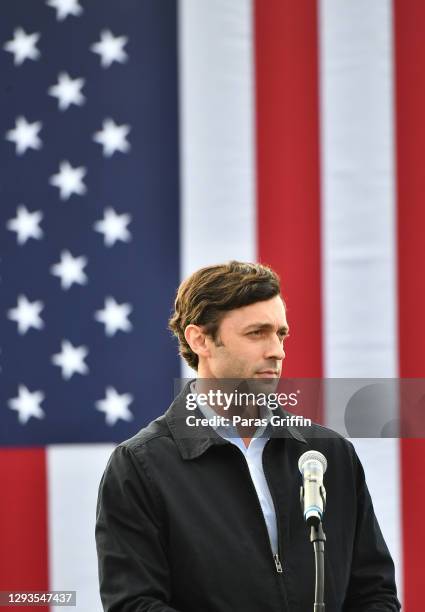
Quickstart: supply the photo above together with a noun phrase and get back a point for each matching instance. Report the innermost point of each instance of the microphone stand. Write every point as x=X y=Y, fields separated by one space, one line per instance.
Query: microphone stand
x=318 y=539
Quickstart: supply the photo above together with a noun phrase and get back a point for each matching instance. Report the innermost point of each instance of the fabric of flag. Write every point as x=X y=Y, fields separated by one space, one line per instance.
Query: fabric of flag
x=142 y=139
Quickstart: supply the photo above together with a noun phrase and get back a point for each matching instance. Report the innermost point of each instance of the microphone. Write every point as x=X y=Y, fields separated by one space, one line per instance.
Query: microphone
x=312 y=466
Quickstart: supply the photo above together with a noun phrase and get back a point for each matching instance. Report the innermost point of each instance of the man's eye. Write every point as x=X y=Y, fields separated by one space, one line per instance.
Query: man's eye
x=256 y=332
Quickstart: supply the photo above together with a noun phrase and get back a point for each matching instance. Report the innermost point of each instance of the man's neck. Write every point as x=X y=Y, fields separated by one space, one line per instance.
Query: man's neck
x=248 y=411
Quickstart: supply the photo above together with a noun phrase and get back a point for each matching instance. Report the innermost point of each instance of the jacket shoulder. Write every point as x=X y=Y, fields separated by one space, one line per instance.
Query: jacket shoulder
x=156 y=430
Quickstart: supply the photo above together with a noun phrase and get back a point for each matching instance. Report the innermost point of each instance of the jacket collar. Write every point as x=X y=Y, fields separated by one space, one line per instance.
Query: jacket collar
x=192 y=445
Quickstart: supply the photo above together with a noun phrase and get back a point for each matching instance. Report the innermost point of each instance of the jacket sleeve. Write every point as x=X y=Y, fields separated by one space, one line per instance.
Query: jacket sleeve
x=133 y=568
x=372 y=585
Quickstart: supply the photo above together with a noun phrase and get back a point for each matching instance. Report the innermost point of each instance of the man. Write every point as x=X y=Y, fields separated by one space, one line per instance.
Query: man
x=211 y=522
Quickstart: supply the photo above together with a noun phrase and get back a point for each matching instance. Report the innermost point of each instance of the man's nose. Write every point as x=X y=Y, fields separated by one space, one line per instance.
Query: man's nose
x=275 y=348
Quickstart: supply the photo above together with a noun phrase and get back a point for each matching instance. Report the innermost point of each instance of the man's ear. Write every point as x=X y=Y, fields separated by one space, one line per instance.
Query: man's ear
x=197 y=339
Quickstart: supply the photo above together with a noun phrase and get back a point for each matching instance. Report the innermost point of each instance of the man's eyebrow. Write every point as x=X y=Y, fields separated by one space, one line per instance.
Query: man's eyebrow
x=284 y=329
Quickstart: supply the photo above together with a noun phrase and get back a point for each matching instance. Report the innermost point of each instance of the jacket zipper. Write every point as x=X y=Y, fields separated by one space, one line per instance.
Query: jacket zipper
x=279 y=568
x=275 y=556
x=278 y=564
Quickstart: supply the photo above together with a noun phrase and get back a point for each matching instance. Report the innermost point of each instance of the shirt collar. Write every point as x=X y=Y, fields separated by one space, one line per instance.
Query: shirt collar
x=190 y=446
x=231 y=431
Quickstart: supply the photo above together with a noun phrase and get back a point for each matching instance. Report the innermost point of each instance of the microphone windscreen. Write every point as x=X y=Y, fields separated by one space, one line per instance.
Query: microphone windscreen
x=312 y=455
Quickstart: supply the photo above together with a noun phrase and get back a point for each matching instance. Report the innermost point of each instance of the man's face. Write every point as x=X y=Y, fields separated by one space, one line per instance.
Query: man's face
x=249 y=343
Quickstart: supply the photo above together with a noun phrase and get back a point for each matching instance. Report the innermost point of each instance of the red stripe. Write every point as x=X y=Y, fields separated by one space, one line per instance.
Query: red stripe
x=410 y=130
x=23 y=521
x=287 y=118
x=413 y=500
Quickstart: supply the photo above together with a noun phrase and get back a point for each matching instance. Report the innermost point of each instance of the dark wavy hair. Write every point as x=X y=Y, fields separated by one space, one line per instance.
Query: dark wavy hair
x=205 y=296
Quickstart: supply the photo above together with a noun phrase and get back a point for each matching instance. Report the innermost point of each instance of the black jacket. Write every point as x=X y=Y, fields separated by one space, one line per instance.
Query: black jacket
x=180 y=528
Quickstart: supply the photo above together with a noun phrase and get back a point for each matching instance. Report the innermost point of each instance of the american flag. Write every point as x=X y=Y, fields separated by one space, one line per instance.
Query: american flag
x=89 y=262
x=142 y=139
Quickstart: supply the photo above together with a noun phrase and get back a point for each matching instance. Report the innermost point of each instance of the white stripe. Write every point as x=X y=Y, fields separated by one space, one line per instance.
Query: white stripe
x=216 y=132
x=217 y=148
x=358 y=189
x=382 y=471
x=74 y=473
x=358 y=219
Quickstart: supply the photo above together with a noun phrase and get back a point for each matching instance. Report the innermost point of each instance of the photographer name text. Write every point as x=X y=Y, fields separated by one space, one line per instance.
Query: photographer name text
x=275 y=420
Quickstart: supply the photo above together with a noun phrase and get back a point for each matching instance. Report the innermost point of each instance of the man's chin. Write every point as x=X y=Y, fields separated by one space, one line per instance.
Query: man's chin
x=264 y=384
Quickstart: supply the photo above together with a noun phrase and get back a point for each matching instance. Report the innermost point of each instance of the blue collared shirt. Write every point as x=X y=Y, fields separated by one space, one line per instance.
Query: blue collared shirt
x=253 y=455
